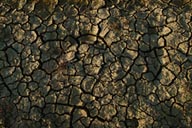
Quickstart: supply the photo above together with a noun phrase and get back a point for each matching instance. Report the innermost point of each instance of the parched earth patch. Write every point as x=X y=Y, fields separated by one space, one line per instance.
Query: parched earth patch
x=95 y=63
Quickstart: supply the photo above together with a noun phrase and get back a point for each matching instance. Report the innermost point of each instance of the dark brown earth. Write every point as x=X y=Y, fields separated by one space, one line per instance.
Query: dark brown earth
x=96 y=64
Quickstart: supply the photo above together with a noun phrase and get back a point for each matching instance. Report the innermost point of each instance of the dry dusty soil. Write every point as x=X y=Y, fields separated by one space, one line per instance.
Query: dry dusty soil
x=95 y=63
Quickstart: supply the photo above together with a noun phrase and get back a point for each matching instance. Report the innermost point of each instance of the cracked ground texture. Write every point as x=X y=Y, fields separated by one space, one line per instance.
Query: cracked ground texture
x=95 y=64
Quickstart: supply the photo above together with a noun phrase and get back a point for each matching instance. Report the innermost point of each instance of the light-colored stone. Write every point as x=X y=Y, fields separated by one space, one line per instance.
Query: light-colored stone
x=69 y=56
x=107 y=112
x=20 y=17
x=104 y=29
x=21 y=4
x=183 y=47
x=19 y=33
x=174 y=26
x=29 y=66
x=5 y=9
x=94 y=30
x=26 y=52
x=106 y=99
x=103 y=13
x=111 y=37
x=161 y=42
x=96 y=4
x=97 y=60
x=99 y=90
x=130 y=54
x=165 y=31
x=89 y=39
x=96 y=20
x=116 y=71
x=166 y=76
x=87 y=98
x=51 y=4
x=30 y=37
x=83 y=48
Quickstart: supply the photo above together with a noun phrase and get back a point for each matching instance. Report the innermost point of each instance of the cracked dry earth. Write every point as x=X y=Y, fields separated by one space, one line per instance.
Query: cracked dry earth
x=96 y=64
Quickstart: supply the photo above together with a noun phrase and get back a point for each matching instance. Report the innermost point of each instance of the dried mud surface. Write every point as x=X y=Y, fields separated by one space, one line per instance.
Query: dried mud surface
x=96 y=64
